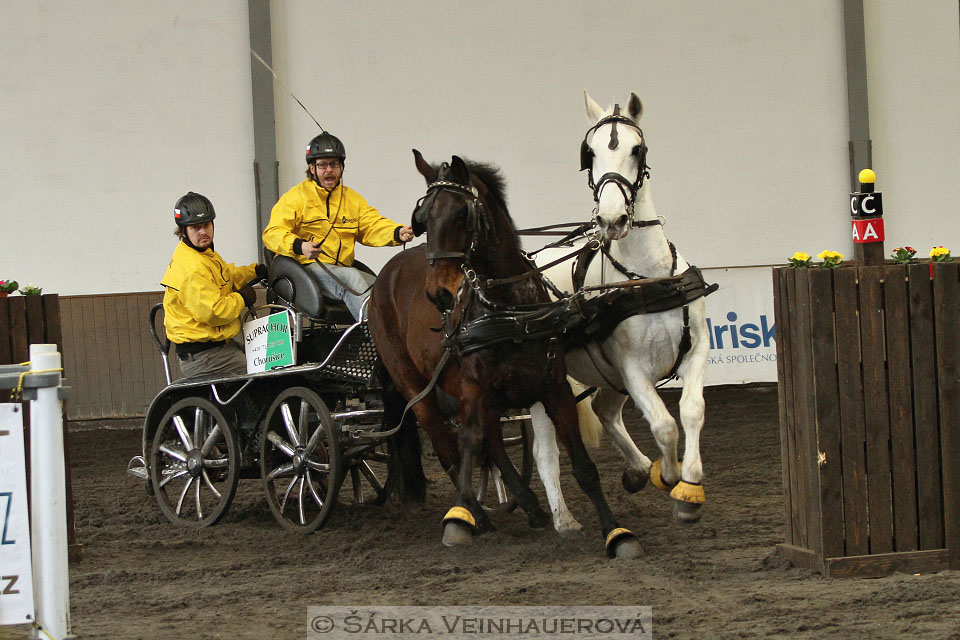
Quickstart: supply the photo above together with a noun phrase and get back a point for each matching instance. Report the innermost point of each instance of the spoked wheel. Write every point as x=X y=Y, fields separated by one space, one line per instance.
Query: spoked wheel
x=492 y=491
x=367 y=469
x=300 y=460
x=194 y=463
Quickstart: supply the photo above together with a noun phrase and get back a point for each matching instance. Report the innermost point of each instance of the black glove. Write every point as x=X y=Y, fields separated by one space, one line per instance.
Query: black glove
x=249 y=295
x=262 y=272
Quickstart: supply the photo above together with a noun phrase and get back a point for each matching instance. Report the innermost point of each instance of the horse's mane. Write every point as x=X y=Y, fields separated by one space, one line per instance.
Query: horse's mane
x=490 y=176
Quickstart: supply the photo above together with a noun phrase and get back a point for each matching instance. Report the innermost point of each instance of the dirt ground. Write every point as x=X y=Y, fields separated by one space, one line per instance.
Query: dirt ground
x=141 y=577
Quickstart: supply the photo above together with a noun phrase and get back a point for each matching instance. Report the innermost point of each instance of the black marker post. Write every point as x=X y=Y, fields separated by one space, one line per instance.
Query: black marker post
x=866 y=209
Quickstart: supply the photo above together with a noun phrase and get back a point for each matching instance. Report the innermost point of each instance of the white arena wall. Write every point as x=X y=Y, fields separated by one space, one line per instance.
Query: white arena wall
x=114 y=109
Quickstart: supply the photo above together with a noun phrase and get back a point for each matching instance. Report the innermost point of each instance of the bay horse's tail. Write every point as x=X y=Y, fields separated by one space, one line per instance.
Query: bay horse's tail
x=590 y=427
x=405 y=478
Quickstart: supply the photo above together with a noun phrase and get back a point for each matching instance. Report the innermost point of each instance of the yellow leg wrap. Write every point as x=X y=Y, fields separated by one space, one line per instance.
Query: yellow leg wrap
x=687 y=492
x=656 y=478
x=613 y=536
x=616 y=533
x=462 y=514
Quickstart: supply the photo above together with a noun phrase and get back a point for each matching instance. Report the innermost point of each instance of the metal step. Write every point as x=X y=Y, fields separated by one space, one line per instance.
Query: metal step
x=137 y=467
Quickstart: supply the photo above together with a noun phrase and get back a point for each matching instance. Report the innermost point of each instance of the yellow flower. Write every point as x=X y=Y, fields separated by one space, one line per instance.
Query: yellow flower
x=824 y=255
x=939 y=251
x=801 y=256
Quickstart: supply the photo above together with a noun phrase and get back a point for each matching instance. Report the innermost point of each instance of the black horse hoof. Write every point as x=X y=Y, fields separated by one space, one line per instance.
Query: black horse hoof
x=457 y=534
x=458 y=527
x=633 y=480
x=539 y=520
x=686 y=512
x=621 y=543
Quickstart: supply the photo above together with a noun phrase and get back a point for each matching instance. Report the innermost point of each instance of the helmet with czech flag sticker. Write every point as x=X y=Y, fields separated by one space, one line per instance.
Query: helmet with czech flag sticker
x=193 y=208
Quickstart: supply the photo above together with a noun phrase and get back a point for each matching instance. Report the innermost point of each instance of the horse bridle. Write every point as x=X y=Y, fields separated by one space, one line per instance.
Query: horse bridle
x=476 y=219
x=627 y=188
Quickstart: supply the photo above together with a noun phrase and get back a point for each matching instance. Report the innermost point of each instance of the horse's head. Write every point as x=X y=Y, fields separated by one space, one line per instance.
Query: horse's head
x=451 y=214
x=614 y=150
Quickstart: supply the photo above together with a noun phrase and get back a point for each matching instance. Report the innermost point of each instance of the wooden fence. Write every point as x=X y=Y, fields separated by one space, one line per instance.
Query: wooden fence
x=869 y=370
x=110 y=359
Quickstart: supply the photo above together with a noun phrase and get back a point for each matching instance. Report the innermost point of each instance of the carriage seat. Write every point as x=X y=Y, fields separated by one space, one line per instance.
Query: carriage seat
x=289 y=280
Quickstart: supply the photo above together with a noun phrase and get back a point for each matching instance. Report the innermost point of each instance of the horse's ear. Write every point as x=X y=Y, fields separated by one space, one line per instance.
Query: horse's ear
x=460 y=171
x=428 y=172
x=635 y=107
x=594 y=111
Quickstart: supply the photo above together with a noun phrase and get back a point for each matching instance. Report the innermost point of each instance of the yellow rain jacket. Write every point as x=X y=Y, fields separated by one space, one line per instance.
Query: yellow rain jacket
x=337 y=219
x=201 y=303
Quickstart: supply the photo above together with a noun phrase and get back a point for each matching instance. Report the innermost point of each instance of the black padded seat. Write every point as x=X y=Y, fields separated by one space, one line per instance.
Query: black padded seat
x=291 y=281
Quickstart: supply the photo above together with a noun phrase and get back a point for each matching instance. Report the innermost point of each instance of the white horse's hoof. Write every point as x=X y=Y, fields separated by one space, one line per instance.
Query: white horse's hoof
x=567 y=526
x=686 y=512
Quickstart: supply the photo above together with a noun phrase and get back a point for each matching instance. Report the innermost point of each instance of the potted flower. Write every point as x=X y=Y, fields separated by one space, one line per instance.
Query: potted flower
x=940 y=254
x=831 y=259
x=800 y=260
x=31 y=290
x=7 y=287
x=903 y=255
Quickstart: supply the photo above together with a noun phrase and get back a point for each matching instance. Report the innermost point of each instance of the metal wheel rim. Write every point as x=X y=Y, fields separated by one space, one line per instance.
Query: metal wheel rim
x=194 y=463
x=300 y=460
x=368 y=470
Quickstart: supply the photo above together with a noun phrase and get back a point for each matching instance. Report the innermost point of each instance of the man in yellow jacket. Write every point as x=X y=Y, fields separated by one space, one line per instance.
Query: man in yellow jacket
x=319 y=221
x=205 y=295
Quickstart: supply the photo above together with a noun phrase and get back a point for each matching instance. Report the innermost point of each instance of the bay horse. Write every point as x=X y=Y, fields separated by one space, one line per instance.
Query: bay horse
x=643 y=349
x=420 y=307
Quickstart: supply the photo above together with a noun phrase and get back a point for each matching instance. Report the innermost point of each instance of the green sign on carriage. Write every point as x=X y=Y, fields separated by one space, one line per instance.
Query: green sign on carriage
x=267 y=342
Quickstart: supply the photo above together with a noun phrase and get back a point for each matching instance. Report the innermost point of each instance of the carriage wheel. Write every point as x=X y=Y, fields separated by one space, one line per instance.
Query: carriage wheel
x=194 y=463
x=368 y=467
x=492 y=491
x=300 y=460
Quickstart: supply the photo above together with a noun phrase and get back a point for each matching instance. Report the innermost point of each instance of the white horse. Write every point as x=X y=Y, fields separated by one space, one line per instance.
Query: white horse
x=643 y=349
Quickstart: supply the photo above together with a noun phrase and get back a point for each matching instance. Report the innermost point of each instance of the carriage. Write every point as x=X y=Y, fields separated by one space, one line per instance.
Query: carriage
x=313 y=432
x=491 y=309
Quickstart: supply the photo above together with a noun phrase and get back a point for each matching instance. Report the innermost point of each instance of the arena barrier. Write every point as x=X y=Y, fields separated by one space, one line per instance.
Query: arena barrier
x=39 y=383
x=27 y=320
x=868 y=362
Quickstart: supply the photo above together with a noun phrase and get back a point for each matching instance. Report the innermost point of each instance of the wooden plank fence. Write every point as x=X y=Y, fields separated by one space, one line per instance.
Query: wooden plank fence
x=109 y=356
x=869 y=369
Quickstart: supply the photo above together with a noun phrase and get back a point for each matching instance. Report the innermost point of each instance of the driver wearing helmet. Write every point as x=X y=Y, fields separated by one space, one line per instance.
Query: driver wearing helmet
x=205 y=295
x=319 y=221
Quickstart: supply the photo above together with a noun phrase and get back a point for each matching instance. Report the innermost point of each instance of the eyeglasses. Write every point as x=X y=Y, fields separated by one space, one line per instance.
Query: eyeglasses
x=323 y=166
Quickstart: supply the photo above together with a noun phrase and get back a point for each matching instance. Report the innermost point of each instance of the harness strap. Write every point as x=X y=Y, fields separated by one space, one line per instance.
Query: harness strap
x=548 y=230
x=599 y=370
x=340 y=282
x=634 y=275
x=496 y=282
x=423 y=394
x=584 y=258
x=683 y=347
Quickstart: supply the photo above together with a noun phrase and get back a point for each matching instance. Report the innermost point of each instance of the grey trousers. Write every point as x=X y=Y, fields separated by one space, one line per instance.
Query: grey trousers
x=357 y=280
x=227 y=359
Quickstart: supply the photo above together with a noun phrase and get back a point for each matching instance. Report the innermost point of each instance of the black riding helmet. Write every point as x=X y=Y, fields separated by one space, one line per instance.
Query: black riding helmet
x=193 y=208
x=326 y=145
